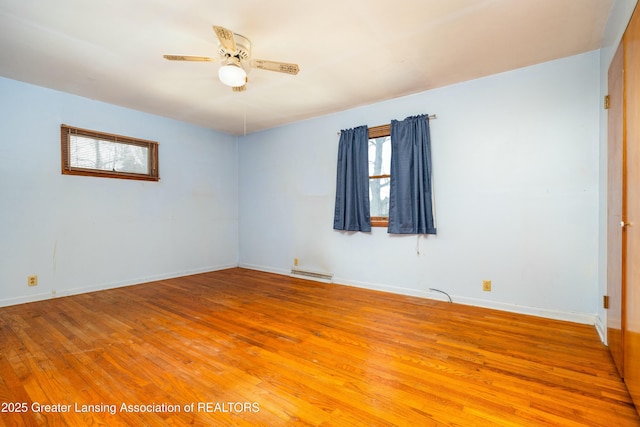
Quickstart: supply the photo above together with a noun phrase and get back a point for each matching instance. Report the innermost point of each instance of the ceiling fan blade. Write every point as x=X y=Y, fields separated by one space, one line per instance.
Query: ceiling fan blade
x=226 y=38
x=281 y=67
x=239 y=88
x=188 y=58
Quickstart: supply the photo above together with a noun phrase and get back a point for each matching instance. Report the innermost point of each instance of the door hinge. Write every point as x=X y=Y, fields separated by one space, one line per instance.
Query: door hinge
x=605 y=301
x=607 y=102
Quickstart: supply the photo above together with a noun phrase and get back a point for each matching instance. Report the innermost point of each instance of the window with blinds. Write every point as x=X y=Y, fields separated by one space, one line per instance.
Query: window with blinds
x=92 y=153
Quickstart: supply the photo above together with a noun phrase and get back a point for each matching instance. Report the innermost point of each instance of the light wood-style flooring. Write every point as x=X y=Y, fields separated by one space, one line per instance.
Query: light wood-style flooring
x=240 y=347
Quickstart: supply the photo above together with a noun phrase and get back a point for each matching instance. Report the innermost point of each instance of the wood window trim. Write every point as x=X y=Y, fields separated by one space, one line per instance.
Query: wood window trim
x=68 y=169
x=379 y=132
x=379 y=221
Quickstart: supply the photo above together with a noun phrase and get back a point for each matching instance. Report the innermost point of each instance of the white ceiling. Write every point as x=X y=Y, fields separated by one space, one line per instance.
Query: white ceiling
x=350 y=52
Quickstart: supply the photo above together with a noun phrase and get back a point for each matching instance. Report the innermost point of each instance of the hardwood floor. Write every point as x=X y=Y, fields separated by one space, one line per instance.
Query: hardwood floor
x=239 y=347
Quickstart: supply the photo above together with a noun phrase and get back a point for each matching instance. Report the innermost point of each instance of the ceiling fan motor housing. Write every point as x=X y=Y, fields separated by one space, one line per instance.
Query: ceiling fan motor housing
x=242 y=53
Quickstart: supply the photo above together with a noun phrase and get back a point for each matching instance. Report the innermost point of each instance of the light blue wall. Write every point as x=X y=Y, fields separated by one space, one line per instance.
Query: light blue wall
x=83 y=233
x=516 y=186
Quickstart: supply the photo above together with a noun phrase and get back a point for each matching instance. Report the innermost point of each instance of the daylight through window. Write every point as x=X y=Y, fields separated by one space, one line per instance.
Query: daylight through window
x=92 y=153
x=379 y=174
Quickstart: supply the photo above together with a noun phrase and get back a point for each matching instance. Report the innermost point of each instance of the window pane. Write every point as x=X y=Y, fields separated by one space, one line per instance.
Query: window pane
x=379 y=156
x=379 y=164
x=91 y=153
x=379 y=196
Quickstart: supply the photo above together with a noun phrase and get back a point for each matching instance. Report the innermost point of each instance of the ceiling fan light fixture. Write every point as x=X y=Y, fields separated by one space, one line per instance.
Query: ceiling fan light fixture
x=232 y=75
x=234 y=51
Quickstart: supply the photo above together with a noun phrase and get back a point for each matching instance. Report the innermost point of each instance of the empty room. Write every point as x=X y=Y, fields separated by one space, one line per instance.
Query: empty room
x=362 y=213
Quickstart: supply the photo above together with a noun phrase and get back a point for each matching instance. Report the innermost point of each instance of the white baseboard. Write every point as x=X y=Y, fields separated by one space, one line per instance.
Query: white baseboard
x=104 y=286
x=583 y=318
x=602 y=330
x=265 y=269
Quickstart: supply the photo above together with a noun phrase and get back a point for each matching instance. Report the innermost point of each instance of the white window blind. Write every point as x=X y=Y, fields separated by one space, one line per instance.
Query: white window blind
x=86 y=152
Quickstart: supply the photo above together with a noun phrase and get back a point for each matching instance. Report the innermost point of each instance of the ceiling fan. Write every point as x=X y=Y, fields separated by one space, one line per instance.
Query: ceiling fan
x=235 y=56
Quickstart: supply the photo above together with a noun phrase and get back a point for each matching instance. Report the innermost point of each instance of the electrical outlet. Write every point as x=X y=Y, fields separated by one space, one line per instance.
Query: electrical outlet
x=32 y=280
x=486 y=285
x=295 y=262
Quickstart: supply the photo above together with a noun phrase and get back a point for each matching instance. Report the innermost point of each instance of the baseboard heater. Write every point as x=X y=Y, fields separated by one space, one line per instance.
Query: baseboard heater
x=312 y=275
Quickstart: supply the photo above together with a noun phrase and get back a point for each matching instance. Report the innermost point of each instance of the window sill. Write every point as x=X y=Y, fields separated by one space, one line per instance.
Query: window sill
x=379 y=222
